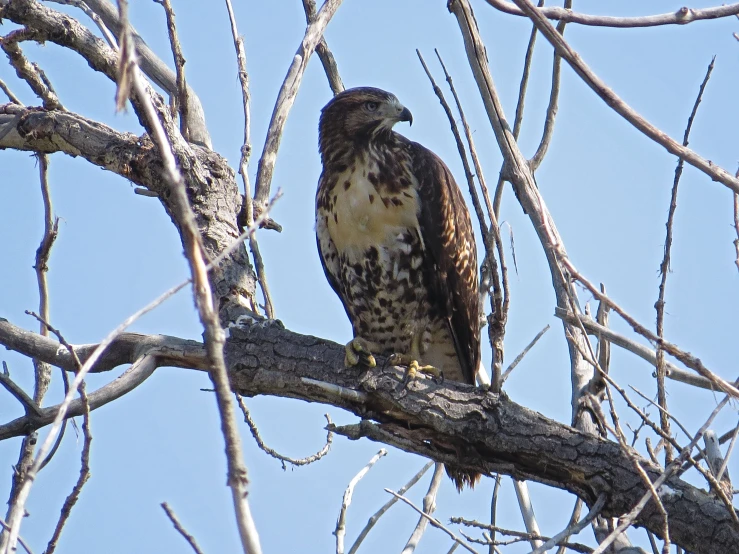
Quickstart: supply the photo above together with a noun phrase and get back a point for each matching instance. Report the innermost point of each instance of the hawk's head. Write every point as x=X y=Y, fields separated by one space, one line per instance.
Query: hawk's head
x=360 y=114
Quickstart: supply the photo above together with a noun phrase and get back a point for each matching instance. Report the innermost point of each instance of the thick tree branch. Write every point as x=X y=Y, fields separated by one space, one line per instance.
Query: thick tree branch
x=210 y=183
x=452 y=423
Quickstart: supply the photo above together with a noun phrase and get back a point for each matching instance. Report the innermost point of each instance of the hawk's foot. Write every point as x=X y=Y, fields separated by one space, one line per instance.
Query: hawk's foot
x=358 y=350
x=414 y=368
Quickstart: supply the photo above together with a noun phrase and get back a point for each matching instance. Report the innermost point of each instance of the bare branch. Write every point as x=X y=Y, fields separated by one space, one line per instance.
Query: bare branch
x=9 y=93
x=429 y=507
x=27 y=71
x=500 y=299
x=520 y=104
x=686 y=358
x=527 y=511
x=680 y=17
x=340 y=530
x=183 y=103
x=73 y=496
x=247 y=211
x=379 y=513
x=673 y=372
x=523 y=353
x=551 y=114
x=20 y=539
x=285 y=100
x=29 y=406
x=158 y=71
x=435 y=421
x=434 y=522
x=619 y=106
x=294 y=461
x=324 y=54
x=180 y=528
x=664 y=269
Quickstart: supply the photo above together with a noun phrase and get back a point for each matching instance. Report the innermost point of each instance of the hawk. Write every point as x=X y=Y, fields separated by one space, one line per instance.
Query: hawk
x=396 y=241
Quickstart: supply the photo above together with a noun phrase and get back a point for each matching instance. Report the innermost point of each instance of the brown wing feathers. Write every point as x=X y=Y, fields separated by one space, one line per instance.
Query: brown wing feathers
x=448 y=237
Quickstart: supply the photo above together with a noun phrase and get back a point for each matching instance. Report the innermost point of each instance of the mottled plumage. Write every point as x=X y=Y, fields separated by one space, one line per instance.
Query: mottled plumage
x=395 y=237
x=396 y=240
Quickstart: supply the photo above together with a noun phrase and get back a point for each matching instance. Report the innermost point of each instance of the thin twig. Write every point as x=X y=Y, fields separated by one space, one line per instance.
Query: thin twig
x=679 y=17
x=247 y=211
x=29 y=406
x=179 y=63
x=729 y=450
x=523 y=353
x=434 y=522
x=686 y=358
x=340 y=531
x=294 y=461
x=736 y=226
x=494 y=511
x=73 y=496
x=551 y=114
x=180 y=528
x=27 y=71
x=574 y=529
x=618 y=105
x=518 y=536
x=9 y=93
x=664 y=269
x=500 y=299
x=379 y=513
x=520 y=104
x=51 y=230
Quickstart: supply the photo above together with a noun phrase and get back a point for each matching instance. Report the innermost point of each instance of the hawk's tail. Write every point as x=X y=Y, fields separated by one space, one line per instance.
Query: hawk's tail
x=462 y=477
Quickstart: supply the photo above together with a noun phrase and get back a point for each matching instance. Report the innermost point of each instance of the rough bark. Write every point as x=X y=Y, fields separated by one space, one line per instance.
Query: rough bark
x=449 y=422
x=210 y=182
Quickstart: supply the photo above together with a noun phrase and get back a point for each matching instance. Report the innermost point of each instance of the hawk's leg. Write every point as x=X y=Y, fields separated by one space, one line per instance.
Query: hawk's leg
x=414 y=367
x=357 y=350
x=412 y=363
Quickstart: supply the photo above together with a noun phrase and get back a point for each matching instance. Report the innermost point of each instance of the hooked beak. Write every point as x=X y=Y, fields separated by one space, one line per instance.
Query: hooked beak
x=406 y=115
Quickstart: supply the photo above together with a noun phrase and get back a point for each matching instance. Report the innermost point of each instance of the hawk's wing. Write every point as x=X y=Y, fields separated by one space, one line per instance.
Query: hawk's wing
x=327 y=250
x=451 y=261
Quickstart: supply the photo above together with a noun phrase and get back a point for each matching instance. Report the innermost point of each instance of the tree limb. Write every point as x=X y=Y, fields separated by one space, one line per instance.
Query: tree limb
x=449 y=423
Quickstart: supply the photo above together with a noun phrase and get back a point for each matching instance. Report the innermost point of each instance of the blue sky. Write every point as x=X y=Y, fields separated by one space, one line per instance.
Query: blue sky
x=606 y=185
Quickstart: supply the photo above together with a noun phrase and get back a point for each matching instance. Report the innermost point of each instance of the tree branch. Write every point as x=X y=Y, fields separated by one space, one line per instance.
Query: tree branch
x=619 y=106
x=449 y=423
x=680 y=17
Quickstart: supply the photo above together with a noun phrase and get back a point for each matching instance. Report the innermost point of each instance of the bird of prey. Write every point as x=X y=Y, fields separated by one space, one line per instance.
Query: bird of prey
x=396 y=241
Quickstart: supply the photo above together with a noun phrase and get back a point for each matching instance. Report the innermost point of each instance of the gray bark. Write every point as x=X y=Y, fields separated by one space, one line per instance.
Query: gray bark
x=449 y=423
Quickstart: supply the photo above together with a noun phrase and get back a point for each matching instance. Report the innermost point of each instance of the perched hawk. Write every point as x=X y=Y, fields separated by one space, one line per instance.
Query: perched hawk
x=396 y=240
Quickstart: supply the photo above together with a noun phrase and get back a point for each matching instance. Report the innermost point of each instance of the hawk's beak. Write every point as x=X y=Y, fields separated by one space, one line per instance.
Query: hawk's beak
x=406 y=115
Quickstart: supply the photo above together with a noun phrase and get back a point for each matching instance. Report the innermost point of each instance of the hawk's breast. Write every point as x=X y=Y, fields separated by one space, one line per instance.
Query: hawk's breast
x=368 y=228
x=364 y=213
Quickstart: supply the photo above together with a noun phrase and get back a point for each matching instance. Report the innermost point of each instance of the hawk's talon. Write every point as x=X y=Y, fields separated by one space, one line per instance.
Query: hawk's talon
x=357 y=350
x=414 y=368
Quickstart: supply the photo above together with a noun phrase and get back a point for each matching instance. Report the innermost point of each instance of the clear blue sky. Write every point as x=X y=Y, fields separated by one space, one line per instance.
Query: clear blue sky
x=606 y=185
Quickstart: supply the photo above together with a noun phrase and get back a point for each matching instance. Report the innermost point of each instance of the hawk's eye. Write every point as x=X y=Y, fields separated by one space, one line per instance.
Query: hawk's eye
x=371 y=106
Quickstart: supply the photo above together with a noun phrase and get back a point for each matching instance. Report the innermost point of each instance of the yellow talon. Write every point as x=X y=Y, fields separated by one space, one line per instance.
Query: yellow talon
x=414 y=368
x=357 y=350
